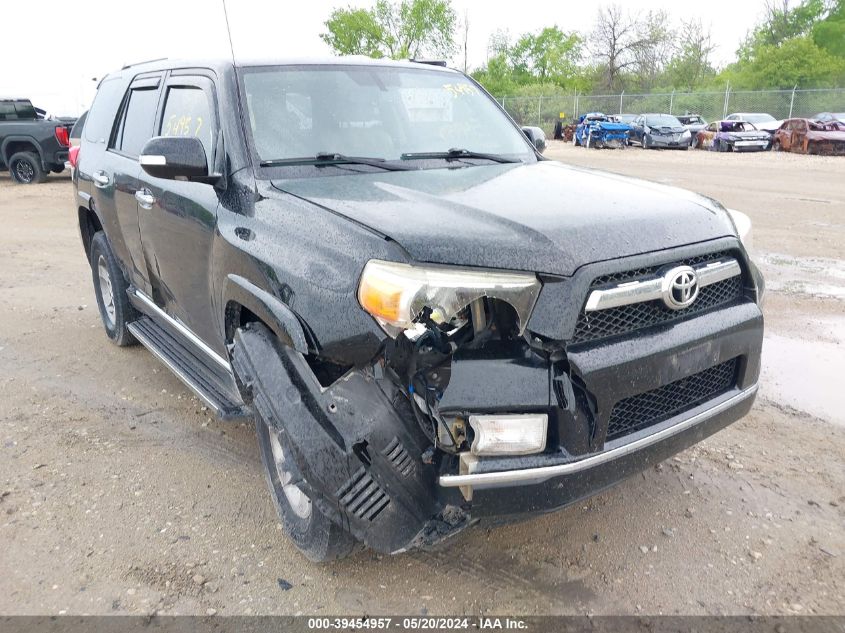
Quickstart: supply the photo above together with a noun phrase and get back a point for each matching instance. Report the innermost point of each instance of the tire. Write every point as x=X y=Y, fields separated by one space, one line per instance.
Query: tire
x=110 y=289
x=315 y=535
x=776 y=146
x=645 y=142
x=25 y=168
x=299 y=507
x=723 y=147
x=57 y=169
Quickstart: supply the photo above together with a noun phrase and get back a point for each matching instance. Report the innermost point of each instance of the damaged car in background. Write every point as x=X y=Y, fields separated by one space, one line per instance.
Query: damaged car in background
x=732 y=136
x=659 y=131
x=805 y=136
x=600 y=131
x=432 y=326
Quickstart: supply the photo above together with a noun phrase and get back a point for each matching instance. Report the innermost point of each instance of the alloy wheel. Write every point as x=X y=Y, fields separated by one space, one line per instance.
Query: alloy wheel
x=24 y=171
x=299 y=502
x=106 y=292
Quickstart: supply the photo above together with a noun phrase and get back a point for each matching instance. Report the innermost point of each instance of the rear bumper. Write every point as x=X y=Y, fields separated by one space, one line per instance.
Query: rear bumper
x=548 y=488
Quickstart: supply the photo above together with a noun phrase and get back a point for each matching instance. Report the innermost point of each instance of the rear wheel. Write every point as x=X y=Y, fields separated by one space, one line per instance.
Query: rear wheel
x=110 y=288
x=26 y=169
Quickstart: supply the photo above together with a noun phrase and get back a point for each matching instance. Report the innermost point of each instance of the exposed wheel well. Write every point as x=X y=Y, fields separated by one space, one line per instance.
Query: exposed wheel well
x=237 y=316
x=89 y=225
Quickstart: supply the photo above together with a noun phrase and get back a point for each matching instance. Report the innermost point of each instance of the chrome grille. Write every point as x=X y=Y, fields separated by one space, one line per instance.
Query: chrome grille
x=605 y=323
x=645 y=409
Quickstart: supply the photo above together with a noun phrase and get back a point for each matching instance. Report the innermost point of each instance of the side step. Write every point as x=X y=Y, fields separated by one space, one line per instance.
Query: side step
x=211 y=384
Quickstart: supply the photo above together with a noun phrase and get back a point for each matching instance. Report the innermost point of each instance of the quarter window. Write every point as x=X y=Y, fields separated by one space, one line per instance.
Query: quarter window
x=187 y=112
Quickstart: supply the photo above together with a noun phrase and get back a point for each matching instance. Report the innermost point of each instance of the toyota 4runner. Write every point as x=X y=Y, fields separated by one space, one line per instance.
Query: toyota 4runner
x=432 y=325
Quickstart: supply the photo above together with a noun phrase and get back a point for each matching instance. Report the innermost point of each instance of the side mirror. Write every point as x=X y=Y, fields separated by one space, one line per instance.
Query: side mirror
x=175 y=158
x=536 y=136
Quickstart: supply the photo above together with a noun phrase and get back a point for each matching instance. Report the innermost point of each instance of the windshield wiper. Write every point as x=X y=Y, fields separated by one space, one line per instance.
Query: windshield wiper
x=456 y=153
x=333 y=158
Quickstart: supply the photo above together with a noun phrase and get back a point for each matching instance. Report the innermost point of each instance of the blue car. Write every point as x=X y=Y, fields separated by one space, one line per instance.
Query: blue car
x=596 y=129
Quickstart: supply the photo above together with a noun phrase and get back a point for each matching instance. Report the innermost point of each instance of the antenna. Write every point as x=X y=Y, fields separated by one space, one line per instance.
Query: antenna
x=229 y=33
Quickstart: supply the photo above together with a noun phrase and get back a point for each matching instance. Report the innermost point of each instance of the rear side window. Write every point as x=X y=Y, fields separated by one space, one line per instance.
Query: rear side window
x=25 y=110
x=187 y=112
x=7 y=111
x=136 y=127
x=100 y=119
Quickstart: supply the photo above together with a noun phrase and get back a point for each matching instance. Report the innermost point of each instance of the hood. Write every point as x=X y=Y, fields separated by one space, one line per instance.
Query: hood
x=613 y=126
x=544 y=217
x=668 y=129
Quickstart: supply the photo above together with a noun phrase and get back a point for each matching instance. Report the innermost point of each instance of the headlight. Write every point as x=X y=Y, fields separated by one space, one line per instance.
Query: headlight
x=742 y=223
x=395 y=294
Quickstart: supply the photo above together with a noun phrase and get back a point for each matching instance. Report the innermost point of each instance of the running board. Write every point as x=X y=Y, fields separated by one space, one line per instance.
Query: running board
x=215 y=389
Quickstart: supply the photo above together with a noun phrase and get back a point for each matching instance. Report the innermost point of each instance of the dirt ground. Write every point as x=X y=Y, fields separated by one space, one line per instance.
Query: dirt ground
x=118 y=493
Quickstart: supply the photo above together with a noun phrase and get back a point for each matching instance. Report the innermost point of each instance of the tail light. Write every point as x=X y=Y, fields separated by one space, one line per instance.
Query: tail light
x=73 y=156
x=62 y=136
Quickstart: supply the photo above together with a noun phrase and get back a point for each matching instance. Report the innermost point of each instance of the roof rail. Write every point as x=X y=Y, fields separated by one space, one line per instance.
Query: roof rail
x=146 y=61
x=430 y=62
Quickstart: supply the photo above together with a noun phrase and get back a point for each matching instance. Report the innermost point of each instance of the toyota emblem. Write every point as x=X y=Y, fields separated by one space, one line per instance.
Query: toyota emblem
x=680 y=287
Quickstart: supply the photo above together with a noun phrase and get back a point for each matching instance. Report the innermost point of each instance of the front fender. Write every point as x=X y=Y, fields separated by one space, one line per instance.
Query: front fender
x=275 y=314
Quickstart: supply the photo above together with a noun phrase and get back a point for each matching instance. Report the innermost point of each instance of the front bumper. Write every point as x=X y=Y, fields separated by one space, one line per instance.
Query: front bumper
x=512 y=493
x=661 y=141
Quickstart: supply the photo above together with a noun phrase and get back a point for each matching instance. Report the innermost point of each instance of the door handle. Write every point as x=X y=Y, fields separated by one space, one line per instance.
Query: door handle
x=145 y=198
x=101 y=179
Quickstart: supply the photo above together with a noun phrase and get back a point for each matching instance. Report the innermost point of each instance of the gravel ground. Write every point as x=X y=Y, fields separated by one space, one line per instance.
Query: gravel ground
x=119 y=494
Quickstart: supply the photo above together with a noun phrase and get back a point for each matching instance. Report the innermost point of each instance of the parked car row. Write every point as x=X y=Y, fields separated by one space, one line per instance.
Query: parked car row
x=740 y=131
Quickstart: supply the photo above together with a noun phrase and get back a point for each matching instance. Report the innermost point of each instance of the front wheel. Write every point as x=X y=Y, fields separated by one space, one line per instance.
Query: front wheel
x=776 y=146
x=646 y=143
x=313 y=533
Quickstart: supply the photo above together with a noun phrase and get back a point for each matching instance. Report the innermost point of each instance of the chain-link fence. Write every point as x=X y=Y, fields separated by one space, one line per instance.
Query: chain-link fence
x=544 y=111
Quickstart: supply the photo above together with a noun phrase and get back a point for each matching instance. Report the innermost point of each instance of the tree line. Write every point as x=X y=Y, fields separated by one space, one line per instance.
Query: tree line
x=797 y=43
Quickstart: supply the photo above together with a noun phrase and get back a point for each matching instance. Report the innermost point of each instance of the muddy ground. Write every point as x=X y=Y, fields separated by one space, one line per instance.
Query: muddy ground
x=118 y=493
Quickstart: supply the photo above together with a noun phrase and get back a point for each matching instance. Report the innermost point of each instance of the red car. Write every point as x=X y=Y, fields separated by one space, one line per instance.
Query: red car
x=806 y=136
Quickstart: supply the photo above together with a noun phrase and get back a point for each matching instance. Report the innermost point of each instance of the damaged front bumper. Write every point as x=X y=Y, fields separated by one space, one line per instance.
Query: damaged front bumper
x=362 y=451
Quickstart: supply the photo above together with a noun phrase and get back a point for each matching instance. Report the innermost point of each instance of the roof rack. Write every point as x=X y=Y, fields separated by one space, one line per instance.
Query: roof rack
x=146 y=61
x=430 y=62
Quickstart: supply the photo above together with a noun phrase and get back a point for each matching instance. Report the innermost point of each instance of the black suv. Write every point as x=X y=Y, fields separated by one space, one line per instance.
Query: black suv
x=431 y=324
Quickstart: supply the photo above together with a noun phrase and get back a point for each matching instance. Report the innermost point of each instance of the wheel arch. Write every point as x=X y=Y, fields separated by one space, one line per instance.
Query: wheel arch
x=245 y=302
x=89 y=225
x=20 y=143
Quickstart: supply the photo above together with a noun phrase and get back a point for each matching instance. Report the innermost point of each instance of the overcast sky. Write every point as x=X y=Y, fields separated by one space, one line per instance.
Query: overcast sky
x=54 y=48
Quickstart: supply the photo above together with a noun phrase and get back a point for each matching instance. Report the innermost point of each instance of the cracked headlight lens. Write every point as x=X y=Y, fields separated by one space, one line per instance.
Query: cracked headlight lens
x=395 y=294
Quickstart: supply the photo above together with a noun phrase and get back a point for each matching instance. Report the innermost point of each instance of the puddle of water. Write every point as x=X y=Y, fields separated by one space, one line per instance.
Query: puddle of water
x=807 y=374
x=814 y=276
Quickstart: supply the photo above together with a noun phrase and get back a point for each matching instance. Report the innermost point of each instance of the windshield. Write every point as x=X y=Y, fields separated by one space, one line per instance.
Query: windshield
x=662 y=120
x=372 y=111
